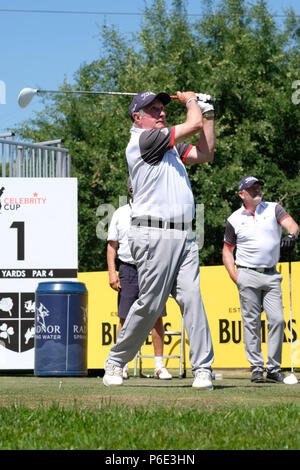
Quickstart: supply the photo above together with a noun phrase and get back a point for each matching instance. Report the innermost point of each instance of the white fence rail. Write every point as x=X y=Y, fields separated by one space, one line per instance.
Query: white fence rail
x=39 y=160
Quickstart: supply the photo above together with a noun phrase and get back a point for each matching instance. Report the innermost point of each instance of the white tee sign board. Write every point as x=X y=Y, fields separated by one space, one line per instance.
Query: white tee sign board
x=38 y=242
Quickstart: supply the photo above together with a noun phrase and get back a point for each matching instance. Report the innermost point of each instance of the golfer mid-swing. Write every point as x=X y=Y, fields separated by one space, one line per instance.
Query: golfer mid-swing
x=161 y=240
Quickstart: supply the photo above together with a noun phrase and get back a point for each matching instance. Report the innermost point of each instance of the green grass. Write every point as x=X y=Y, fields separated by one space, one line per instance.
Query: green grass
x=117 y=427
x=145 y=414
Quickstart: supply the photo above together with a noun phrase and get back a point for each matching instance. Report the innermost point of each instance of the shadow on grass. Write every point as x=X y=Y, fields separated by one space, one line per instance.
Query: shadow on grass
x=172 y=386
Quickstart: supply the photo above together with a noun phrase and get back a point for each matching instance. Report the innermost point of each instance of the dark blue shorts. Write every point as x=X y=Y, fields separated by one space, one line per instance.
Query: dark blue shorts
x=129 y=292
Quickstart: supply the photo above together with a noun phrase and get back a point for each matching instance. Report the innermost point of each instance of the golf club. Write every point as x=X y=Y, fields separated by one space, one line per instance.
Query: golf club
x=291 y=379
x=26 y=94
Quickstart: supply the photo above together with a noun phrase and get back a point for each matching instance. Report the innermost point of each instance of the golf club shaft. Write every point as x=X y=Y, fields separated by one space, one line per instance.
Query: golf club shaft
x=84 y=92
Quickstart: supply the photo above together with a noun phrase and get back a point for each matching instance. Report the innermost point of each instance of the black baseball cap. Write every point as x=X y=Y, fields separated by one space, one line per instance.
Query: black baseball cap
x=248 y=181
x=144 y=98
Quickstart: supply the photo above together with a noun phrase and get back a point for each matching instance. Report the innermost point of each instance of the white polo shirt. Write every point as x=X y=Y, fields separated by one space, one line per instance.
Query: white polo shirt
x=118 y=231
x=160 y=183
x=256 y=236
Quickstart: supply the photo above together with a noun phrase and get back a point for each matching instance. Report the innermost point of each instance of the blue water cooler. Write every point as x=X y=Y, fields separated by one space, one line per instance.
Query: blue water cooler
x=61 y=329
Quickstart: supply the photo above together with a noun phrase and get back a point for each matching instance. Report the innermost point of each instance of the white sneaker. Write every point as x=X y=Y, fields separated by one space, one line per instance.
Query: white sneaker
x=203 y=380
x=125 y=373
x=162 y=374
x=113 y=375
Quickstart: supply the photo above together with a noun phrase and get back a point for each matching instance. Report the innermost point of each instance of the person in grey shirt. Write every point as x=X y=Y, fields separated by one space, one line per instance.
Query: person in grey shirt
x=161 y=240
x=255 y=231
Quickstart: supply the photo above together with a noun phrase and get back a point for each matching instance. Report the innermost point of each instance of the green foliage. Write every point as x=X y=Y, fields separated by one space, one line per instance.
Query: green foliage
x=236 y=53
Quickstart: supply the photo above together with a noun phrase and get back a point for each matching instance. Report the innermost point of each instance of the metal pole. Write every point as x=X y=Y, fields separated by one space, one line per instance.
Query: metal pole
x=291 y=314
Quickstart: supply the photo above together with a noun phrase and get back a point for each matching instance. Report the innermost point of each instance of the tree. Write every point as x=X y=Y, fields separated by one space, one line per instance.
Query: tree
x=236 y=53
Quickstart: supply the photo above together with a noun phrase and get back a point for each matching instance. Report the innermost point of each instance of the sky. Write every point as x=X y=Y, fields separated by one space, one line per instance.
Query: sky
x=42 y=50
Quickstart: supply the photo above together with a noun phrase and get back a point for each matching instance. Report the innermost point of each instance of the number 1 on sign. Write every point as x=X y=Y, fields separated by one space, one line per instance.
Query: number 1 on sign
x=20 y=239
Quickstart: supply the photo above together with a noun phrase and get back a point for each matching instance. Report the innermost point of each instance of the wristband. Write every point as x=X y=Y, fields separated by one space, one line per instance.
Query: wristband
x=191 y=99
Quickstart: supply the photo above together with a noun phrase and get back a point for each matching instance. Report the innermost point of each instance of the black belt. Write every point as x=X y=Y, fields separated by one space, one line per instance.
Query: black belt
x=260 y=270
x=127 y=264
x=159 y=223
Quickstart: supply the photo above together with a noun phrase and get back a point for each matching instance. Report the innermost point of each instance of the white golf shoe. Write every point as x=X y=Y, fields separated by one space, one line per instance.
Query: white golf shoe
x=203 y=380
x=162 y=374
x=113 y=375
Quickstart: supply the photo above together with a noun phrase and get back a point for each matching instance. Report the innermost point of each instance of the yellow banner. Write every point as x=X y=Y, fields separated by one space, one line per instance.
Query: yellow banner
x=221 y=301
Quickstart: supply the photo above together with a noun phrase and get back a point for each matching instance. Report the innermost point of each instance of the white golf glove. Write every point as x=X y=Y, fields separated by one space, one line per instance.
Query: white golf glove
x=203 y=102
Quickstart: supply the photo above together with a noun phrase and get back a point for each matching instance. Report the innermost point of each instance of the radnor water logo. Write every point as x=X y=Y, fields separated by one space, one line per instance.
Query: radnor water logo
x=43 y=330
x=46 y=330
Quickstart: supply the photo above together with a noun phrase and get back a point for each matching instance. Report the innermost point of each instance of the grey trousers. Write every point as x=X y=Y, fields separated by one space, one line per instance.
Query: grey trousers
x=261 y=291
x=167 y=262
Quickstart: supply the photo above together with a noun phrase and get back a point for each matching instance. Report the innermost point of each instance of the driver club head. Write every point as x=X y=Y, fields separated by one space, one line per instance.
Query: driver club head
x=25 y=96
x=290 y=380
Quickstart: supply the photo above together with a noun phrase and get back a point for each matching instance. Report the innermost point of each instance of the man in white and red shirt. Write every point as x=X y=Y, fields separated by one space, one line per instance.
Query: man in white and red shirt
x=254 y=231
x=161 y=240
